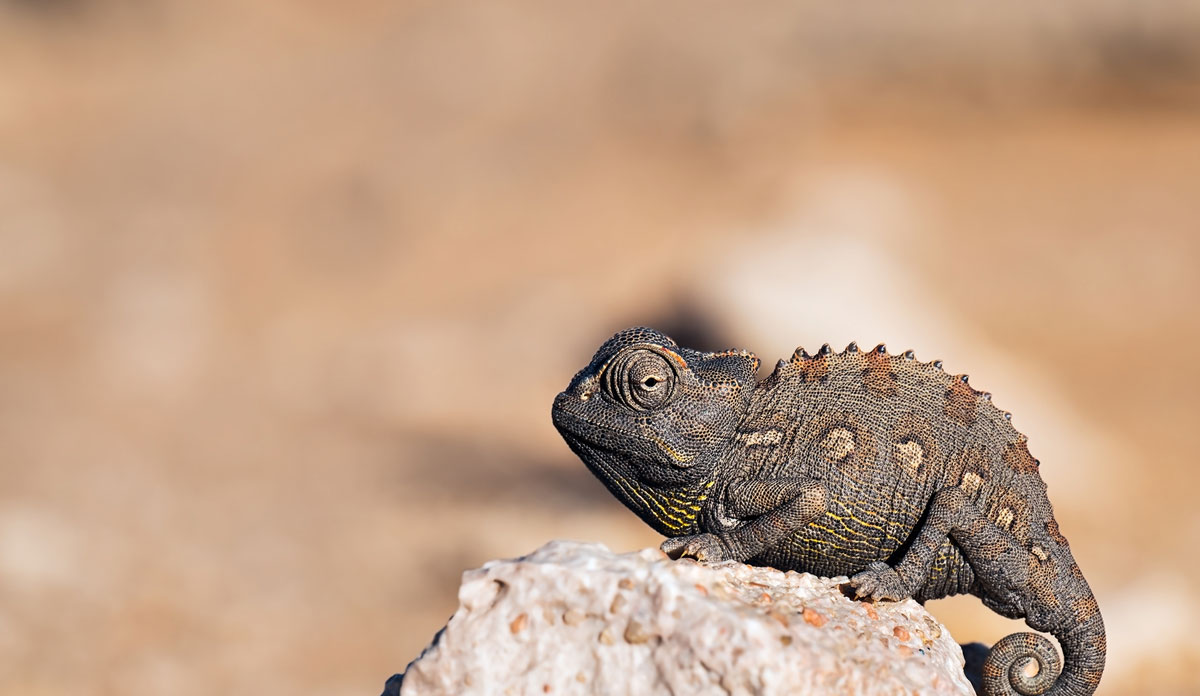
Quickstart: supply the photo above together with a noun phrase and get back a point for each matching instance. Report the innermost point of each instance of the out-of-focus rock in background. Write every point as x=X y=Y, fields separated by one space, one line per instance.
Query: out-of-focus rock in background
x=286 y=290
x=576 y=618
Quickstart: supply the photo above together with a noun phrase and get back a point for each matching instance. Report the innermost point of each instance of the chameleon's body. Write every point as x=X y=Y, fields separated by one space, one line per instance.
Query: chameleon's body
x=858 y=463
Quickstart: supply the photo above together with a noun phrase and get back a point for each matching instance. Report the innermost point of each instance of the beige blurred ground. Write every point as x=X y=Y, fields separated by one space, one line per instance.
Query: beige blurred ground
x=286 y=290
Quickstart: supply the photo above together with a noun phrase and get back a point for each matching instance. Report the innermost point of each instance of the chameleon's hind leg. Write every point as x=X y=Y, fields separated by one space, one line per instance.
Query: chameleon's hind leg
x=1014 y=582
x=992 y=552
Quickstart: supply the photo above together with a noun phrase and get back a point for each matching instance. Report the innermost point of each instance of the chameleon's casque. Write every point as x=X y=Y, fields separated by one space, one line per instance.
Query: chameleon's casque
x=858 y=463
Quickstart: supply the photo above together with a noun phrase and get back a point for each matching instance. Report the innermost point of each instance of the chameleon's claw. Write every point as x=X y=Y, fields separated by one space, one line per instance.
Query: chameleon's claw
x=879 y=581
x=863 y=584
x=673 y=547
x=706 y=548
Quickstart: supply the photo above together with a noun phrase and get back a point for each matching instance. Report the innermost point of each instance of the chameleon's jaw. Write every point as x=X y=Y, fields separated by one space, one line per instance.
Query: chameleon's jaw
x=668 y=513
x=593 y=454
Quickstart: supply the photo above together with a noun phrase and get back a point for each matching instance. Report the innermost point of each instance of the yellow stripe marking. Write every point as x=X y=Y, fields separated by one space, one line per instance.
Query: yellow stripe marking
x=682 y=459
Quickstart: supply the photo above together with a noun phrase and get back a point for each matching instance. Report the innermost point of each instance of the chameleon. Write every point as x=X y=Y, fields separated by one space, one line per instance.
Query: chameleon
x=864 y=464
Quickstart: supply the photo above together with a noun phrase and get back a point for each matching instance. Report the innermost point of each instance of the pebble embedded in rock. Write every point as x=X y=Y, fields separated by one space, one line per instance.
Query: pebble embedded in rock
x=518 y=623
x=636 y=633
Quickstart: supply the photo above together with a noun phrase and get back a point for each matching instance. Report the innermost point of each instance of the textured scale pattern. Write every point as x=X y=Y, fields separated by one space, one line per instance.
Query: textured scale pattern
x=859 y=463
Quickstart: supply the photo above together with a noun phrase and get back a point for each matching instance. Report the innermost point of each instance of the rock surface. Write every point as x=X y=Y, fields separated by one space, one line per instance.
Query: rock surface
x=576 y=618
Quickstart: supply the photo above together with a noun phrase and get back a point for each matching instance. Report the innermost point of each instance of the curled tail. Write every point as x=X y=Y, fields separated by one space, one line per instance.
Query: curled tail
x=1006 y=670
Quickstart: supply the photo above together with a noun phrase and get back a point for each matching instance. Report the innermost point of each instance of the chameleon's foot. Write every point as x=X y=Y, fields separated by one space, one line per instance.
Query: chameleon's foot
x=702 y=547
x=880 y=581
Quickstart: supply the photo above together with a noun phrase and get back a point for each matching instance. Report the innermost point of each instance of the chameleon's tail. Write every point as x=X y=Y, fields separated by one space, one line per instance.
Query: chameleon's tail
x=1005 y=672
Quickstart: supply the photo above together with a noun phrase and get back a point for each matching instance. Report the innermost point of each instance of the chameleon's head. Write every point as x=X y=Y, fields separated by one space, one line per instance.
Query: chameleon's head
x=647 y=413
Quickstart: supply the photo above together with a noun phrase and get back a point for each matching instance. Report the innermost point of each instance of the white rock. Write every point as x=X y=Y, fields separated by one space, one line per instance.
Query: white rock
x=577 y=619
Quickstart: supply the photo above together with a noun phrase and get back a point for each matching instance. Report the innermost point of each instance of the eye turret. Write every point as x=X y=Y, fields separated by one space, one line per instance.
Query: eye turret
x=640 y=378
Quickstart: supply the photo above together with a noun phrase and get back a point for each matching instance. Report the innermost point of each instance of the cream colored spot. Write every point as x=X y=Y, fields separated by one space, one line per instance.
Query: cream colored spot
x=1039 y=552
x=971 y=482
x=763 y=437
x=838 y=444
x=1004 y=518
x=909 y=455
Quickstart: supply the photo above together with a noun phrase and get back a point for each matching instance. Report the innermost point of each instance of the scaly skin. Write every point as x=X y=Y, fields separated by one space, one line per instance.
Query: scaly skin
x=859 y=463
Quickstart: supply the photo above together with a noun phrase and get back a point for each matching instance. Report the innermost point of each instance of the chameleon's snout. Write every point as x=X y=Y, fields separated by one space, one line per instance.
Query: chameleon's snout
x=564 y=412
x=561 y=403
x=582 y=388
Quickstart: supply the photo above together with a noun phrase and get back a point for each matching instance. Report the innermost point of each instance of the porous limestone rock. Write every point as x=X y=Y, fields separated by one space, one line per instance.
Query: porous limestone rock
x=575 y=618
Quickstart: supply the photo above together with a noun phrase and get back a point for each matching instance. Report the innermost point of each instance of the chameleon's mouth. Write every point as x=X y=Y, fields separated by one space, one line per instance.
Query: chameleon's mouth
x=577 y=429
x=602 y=462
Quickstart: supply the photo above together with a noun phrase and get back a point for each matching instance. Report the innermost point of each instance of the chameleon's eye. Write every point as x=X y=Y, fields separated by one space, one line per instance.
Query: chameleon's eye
x=641 y=379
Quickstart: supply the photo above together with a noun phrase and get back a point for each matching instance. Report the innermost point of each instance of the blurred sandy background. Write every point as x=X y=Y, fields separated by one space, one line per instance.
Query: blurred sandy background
x=286 y=290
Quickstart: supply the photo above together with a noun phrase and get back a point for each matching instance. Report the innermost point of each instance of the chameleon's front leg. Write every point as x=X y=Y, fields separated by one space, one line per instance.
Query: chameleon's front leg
x=771 y=510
